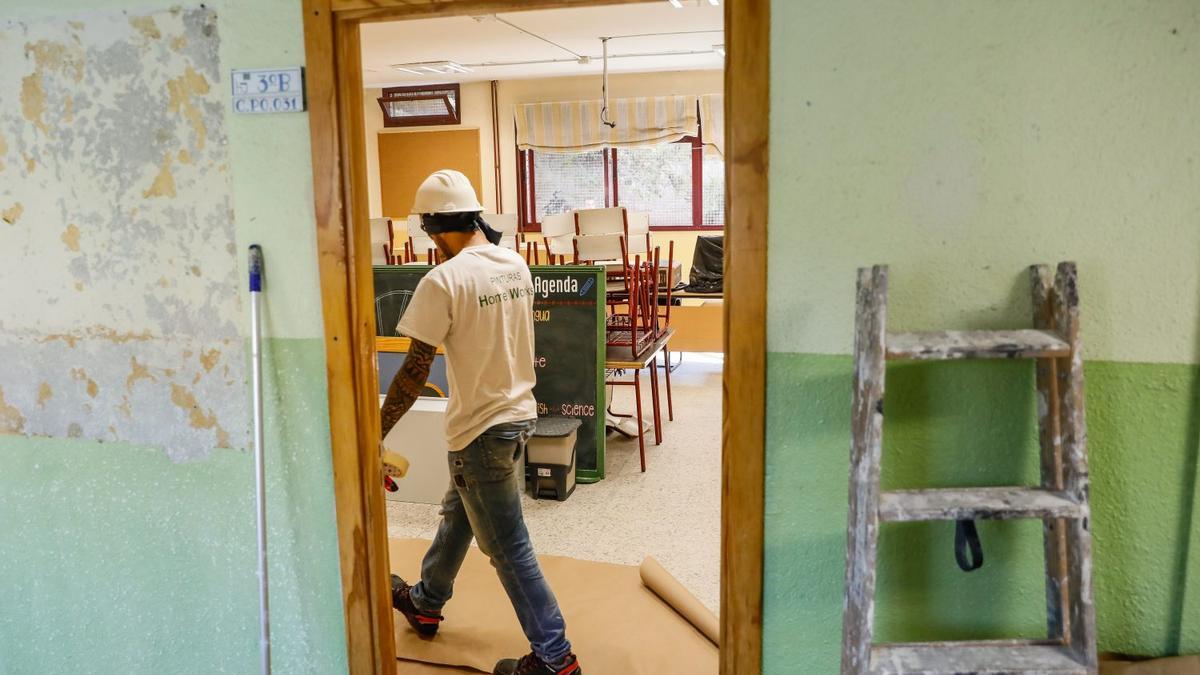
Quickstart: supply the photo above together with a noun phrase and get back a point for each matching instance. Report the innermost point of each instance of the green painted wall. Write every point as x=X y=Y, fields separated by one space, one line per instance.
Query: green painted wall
x=959 y=143
x=115 y=559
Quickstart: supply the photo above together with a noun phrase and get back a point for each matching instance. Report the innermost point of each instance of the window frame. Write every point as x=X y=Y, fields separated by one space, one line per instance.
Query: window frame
x=454 y=116
x=527 y=193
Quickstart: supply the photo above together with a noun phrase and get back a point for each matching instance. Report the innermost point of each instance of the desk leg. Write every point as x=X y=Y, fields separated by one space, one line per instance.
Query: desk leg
x=654 y=397
x=637 y=396
x=670 y=404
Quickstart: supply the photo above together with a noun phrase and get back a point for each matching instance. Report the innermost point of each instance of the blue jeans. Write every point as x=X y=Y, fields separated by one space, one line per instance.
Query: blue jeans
x=484 y=502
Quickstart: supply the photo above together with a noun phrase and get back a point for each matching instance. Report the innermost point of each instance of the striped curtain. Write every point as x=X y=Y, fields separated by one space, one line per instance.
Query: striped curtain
x=712 y=123
x=574 y=126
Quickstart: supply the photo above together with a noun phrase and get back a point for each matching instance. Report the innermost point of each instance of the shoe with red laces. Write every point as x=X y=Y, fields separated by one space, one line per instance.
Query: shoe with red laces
x=532 y=665
x=425 y=623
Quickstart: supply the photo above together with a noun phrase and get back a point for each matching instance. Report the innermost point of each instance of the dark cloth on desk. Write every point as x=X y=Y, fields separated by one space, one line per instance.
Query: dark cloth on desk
x=708 y=265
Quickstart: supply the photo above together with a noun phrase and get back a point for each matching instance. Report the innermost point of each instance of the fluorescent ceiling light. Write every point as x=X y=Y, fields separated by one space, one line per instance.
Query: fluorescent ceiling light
x=714 y=3
x=720 y=49
x=431 y=67
x=677 y=4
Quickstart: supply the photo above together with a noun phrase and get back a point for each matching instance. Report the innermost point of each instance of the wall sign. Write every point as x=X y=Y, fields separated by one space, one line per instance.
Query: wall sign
x=273 y=90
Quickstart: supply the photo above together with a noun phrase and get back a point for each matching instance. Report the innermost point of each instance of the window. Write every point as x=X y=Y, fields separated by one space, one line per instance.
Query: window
x=658 y=181
x=676 y=183
x=566 y=181
x=419 y=106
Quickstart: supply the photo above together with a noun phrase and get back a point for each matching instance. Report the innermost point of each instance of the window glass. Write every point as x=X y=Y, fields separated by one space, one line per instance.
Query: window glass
x=417 y=106
x=714 y=190
x=658 y=181
x=563 y=181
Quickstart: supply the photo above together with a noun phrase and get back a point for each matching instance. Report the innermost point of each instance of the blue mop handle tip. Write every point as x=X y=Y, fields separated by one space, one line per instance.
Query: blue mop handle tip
x=256 y=268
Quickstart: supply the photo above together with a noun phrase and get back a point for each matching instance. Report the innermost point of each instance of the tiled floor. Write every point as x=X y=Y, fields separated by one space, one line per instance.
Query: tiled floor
x=671 y=512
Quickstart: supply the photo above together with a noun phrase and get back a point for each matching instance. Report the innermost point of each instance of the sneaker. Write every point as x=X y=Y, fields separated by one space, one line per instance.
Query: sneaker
x=425 y=623
x=532 y=665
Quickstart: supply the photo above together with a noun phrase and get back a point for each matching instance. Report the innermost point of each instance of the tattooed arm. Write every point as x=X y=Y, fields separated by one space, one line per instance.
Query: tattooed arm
x=407 y=385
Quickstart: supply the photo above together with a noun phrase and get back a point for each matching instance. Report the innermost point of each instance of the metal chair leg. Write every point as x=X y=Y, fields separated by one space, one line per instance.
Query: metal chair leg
x=637 y=395
x=670 y=404
x=654 y=396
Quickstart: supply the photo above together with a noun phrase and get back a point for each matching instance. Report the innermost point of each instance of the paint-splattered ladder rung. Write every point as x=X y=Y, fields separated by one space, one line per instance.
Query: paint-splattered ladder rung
x=995 y=503
x=977 y=658
x=984 y=344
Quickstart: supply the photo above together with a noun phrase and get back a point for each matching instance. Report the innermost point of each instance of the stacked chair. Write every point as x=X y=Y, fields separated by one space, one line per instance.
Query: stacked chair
x=381 y=242
x=603 y=236
x=558 y=231
x=639 y=232
x=419 y=243
x=506 y=224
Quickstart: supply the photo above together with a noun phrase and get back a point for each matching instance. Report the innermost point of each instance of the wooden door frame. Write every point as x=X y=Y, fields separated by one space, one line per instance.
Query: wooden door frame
x=335 y=101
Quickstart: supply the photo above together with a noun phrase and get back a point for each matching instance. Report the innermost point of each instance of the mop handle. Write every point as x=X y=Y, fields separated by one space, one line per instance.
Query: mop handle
x=260 y=491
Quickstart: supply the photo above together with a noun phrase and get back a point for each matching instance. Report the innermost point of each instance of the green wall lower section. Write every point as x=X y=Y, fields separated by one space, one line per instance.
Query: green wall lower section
x=974 y=423
x=113 y=559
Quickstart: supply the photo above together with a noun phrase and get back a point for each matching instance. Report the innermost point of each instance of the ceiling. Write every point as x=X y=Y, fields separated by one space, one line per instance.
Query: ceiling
x=474 y=42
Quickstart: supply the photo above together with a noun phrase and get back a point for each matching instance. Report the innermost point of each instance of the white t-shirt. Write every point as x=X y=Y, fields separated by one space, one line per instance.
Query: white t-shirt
x=479 y=305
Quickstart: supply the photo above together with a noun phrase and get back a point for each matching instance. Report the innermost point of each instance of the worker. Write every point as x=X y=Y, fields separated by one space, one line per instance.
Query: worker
x=478 y=303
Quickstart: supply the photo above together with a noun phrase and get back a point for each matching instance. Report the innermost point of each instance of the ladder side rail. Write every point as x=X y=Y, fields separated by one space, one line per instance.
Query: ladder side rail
x=866 y=450
x=1049 y=438
x=1075 y=469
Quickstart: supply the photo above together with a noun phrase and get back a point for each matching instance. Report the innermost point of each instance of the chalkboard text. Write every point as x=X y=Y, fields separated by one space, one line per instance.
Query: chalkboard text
x=547 y=285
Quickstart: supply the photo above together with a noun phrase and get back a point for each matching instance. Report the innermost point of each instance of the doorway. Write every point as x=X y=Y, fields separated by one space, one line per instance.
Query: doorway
x=333 y=42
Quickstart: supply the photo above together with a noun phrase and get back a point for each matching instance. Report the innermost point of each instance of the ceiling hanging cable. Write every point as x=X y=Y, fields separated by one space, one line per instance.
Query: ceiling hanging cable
x=535 y=62
x=674 y=32
x=604 y=89
x=548 y=41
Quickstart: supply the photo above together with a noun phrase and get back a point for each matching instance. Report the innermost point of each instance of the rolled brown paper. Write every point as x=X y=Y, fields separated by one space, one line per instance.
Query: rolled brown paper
x=667 y=587
x=394 y=465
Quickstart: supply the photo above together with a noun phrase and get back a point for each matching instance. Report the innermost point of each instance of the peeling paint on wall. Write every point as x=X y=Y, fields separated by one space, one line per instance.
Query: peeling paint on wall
x=11 y=419
x=120 y=318
x=11 y=214
x=71 y=237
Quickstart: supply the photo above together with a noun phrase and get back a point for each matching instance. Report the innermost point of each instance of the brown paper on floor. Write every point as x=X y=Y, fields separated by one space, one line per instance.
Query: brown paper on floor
x=616 y=625
x=417 y=668
x=1180 y=665
x=667 y=587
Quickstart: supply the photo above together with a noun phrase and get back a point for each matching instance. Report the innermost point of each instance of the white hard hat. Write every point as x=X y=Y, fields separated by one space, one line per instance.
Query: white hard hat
x=446 y=191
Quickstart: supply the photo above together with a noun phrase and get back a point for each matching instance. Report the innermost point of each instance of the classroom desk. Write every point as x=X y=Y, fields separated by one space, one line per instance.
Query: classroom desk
x=620 y=358
x=690 y=295
x=396 y=344
x=699 y=323
x=666 y=275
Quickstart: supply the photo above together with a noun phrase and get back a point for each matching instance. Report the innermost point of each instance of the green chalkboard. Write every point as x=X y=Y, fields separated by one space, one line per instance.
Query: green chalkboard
x=568 y=351
x=394 y=287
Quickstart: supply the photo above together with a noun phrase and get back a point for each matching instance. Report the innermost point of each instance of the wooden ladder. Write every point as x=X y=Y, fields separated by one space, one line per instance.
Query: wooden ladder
x=1061 y=501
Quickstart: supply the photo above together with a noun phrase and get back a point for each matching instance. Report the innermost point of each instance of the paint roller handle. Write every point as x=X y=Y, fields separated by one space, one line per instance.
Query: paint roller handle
x=256 y=268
